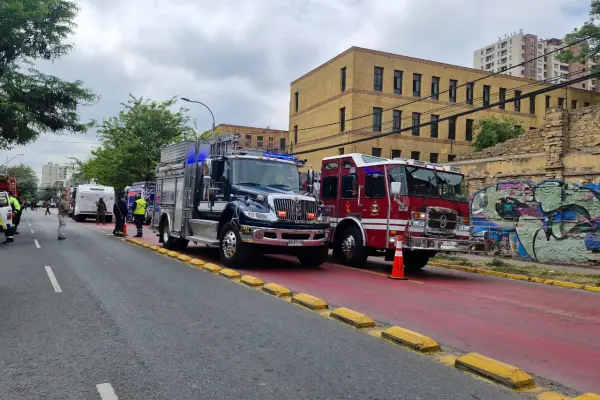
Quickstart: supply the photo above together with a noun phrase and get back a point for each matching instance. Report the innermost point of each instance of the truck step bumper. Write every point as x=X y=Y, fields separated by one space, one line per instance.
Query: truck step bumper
x=284 y=237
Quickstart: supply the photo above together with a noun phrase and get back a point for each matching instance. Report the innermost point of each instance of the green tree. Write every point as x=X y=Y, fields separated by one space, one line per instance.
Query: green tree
x=588 y=49
x=492 y=131
x=32 y=102
x=27 y=180
x=131 y=142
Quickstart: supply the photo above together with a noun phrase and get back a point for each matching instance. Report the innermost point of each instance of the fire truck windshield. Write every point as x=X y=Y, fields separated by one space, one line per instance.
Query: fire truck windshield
x=431 y=183
x=250 y=171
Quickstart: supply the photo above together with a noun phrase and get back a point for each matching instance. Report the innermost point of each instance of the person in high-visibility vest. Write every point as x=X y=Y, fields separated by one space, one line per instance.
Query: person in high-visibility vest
x=139 y=214
x=16 y=210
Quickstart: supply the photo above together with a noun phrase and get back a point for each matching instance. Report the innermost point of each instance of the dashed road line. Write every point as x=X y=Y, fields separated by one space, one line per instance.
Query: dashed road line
x=106 y=391
x=29 y=224
x=53 y=280
x=32 y=231
x=37 y=244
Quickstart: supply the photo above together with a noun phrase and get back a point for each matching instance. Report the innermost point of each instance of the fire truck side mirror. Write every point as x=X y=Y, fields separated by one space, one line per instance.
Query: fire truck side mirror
x=395 y=188
x=311 y=177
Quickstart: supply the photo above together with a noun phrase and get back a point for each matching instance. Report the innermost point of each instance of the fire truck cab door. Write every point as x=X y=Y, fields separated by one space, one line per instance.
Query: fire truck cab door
x=374 y=206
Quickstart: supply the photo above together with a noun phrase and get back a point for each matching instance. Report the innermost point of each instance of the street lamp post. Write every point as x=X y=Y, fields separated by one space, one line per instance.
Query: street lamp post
x=209 y=110
x=5 y=165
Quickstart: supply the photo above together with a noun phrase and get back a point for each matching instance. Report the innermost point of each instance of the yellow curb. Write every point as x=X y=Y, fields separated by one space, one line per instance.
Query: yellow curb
x=173 y=254
x=413 y=340
x=212 y=268
x=495 y=370
x=352 y=317
x=229 y=273
x=552 y=282
x=277 y=290
x=252 y=281
x=184 y=258
x=588 y=396
x=448 y=359
x=196 y=262
x=308 y=301
x=146 y=245
x=131 y=240
x=163 y=251
x=552 y=396
x=155 y=248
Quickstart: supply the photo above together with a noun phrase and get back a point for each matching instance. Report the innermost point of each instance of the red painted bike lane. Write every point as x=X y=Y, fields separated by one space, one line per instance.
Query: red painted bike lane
x=549 y=331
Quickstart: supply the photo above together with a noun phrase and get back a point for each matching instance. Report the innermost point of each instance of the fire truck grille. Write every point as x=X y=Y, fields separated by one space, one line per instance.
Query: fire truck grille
x=441 y=220
x=295 y=211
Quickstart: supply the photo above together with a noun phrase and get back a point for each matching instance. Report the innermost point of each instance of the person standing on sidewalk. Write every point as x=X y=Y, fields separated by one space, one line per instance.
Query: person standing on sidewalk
x=139 y=214
x=101 y=211
x=63 y=214
x=120 y=212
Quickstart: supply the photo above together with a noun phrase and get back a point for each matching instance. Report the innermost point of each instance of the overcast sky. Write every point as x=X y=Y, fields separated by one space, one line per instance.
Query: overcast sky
x=239 y=56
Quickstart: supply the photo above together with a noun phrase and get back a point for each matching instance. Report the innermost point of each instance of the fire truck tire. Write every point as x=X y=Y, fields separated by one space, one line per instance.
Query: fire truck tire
x=233 y=252
x=314 y=258
x=415 y=260
x=351 y=249
x=169 y=242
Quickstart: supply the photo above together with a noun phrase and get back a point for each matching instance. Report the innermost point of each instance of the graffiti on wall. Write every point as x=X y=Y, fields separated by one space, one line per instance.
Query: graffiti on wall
x=551 y=221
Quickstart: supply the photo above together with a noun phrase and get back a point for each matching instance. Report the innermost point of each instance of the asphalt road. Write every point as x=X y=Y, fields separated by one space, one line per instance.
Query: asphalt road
x=93 y=317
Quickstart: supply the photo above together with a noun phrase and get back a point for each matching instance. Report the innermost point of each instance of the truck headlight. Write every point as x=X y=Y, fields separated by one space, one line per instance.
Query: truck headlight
x=419 y=223
x=256 y=215
x=463 y=228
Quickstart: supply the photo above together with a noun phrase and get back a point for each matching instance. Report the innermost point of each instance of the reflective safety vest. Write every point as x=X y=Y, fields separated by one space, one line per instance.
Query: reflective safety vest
x=14 y=203
x=2 y=224
x=140 y=207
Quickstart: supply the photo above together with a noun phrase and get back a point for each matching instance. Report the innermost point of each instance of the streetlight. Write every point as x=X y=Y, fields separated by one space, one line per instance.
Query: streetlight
x=209 y=110
x=7 y=160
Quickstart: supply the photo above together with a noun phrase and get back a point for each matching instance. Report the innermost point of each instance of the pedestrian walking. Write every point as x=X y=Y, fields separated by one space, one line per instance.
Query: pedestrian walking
x=63 y=214
x=120 y=212
x=15 y=209
x=47 y=205
x=100 y=211
x=139 y=214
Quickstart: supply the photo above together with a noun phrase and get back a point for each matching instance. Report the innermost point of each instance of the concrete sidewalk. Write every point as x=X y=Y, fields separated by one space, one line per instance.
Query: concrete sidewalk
x=590 y=270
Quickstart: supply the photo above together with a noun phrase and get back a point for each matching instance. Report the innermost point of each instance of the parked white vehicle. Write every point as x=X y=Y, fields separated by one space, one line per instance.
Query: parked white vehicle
x=5 y=211
x=86 y=198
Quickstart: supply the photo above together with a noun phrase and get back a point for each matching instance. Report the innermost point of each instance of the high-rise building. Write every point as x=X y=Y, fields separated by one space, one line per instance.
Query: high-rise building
x=362 y=93
x=522 y=48
x=52 y=172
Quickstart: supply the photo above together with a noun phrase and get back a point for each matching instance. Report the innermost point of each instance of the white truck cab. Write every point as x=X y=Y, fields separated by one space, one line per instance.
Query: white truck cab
x=5 y=212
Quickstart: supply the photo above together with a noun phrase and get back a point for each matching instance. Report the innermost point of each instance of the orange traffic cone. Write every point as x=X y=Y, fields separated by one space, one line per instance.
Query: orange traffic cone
x=398 y=268
x=125 y=229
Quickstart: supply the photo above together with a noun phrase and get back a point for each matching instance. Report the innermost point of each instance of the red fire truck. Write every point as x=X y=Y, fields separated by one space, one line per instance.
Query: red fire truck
x=371 y=200
x=8 y=184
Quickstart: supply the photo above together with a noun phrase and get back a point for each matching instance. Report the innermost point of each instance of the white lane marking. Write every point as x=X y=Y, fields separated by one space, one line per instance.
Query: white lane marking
x=29 y=224
x=106 y=391
x=53 y=280
x=32 y=231
x=111 y=260
x=37 y=244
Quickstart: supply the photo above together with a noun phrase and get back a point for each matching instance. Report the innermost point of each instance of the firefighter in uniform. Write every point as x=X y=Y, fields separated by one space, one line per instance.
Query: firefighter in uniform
x=139 y=214
x=16 y=210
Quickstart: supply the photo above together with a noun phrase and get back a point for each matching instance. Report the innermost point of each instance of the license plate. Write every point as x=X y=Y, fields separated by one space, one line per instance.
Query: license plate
x=295 y=243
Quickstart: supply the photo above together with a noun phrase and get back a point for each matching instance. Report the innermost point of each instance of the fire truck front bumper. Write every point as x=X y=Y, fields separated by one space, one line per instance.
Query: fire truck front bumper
x=284 y=237
x=453 y=245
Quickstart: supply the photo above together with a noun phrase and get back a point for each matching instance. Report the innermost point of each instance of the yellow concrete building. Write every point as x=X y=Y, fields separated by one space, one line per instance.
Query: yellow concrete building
x=381 y=86
x=260 y=138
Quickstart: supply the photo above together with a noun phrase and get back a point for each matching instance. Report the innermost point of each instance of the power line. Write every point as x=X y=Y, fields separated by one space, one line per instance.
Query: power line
x=457 y=87
x=535 y=93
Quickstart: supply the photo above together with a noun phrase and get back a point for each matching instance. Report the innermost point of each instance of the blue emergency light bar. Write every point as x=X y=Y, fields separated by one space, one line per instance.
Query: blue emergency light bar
x=281 y=156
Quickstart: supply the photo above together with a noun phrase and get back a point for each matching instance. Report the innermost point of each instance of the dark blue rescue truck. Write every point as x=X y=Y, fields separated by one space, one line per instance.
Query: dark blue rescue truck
x=245 y=202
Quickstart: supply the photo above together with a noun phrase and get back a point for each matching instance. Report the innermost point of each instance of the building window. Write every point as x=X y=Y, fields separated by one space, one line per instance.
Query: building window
x=561 y=102
x=433 y=157
x=435 y=88
x=295 y=134
x=502 y=98
x=296 y=99
x=270 y=142
x=434 y=125
x=417 y=85
x=532 y=104
x=378 y=79
x=415 y=155
x=396 y=153
x=376 y=151
x=340 y=151
x=248 y=142
x=470 y=86
x=343 y=79
x=486 y=95
x=259 y=142
x=451 y=157
x=469 y=130
x=397 y=120
x=398 y=82
x=573 y=104
x=452 y=91
x=517 y=101
x=452 y=128
x=282 y=144
x=416 y=121
x=547 y=102
x=377 y=112
x=342 y=119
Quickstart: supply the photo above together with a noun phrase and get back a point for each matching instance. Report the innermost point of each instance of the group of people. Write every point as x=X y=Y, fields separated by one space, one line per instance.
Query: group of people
x=120 y=212
x=12 y=230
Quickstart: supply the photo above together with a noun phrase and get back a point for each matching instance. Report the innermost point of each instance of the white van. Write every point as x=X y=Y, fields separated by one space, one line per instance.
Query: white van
x=86 y=198
x=5 y=211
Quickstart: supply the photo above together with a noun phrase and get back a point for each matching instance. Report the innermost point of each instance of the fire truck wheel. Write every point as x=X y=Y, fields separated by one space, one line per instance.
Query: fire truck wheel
x=168 y=241
x=314 y=258
x=351 y=248
x=415 y=260
x=233 y=252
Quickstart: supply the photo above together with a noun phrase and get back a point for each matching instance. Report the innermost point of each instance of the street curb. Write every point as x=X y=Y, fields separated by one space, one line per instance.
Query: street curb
x=353 y=318
x=410 y=339
x=163 y=251
x=251 y=281
x=155 y=248
x=533 y=279
x=196 y=262
x=212 y=268
x=588 y=396
x=308 y=301
x=277 y=290
x=184 y=258
x=552 y=396
x=495 y=370
x=173 y=254
x=230 y=273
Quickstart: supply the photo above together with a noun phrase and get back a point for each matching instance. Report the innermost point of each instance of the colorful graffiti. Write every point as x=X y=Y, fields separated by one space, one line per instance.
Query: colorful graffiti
x=552 y=221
